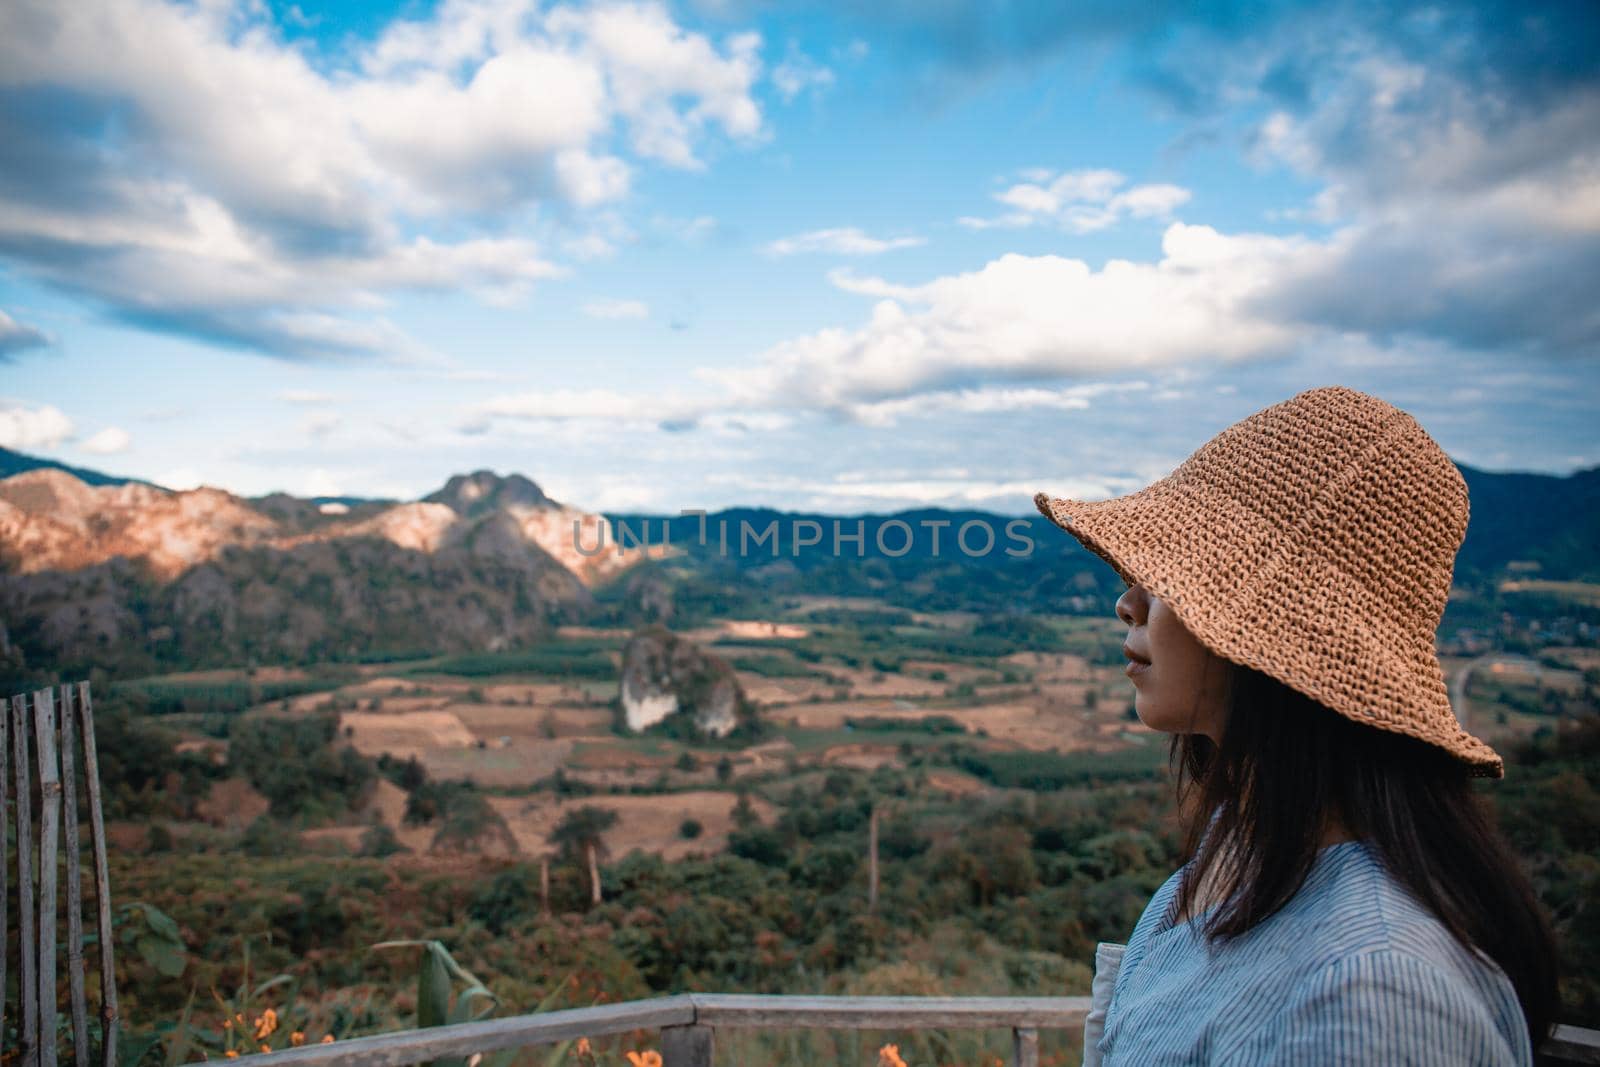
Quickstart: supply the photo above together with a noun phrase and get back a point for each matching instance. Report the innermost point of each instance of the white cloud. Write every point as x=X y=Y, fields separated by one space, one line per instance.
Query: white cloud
x=648 y=62
x=604 y=404
x=611 y=495
x=18 y=337
x=22 y=427
x=1079 y=201
x=1036 y=318
x=799 y=72
x=181 y=478
x=590 y=246
x=1002 y=338
x=318 y=482
x=670 y=412
x=847 y=241
x=855 y=492
x=305 y=396
x=855 y=51
x=987 y=400
x=1470 y=217
x=249 y=197
x=616 y=309
x=109 y=441
x=688 y=230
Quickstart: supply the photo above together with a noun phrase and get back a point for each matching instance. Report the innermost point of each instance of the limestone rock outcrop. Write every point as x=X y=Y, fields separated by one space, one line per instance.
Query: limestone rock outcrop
x=669 y=678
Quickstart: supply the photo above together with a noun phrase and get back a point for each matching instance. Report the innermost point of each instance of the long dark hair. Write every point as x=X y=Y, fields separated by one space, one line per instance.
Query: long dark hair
x=1257 y=804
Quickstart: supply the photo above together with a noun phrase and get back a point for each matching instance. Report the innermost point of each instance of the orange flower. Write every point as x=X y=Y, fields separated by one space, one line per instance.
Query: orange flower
x=327 y=1039
x=265 y=1047
x=889 y=1056
x=232 y=1055
x=583 y=1046
x=647 y=1058
x=297 y=1038
x=266 y=1023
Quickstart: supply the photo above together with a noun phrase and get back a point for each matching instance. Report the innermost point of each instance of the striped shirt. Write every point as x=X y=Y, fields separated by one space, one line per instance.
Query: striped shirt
x=1353 y=970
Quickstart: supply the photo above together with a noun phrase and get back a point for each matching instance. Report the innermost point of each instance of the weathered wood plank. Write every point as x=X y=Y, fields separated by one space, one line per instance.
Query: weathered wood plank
x=44 y=749
x=463 y=1039
x=69 y=801
x=102 y=880
x=687 y=1046
x=887 y=1013
x=28 y=946
x=1573 y=1044
x=5 y=853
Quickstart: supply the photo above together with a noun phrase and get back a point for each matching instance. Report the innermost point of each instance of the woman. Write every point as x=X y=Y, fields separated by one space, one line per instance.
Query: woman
x=1345 y=897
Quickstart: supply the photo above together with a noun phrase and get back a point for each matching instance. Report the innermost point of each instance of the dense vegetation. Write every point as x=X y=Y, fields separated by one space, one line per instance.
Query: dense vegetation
x=1026 y=881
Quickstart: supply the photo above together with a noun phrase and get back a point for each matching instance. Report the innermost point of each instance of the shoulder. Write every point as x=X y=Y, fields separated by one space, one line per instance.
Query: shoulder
x=1380 y=979
x=1351 y=906
x=1387 y=1006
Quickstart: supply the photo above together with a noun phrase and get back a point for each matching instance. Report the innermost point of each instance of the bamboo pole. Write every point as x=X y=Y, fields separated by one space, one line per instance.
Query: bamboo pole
x=5 y=857
x=69 y=796
x=44 y=736
x=27 y=944
x=102 y=880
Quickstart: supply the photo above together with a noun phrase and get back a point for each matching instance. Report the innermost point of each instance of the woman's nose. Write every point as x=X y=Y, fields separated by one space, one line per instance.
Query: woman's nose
x=1133 y=605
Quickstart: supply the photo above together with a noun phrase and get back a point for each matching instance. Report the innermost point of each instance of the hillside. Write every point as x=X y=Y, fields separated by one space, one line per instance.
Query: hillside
x=135 y=575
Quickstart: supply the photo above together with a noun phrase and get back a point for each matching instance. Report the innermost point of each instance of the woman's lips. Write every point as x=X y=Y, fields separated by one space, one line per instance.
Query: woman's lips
x=1137 y=664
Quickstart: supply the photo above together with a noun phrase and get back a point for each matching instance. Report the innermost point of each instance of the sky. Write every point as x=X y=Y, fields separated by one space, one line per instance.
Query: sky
x=805 y=255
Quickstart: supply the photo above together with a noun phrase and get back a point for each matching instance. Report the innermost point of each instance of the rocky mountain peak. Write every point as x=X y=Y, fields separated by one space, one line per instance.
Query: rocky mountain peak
x=470 y=495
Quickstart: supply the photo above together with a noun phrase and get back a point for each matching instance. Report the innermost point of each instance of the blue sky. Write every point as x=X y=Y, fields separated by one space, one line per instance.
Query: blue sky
x=664 y=256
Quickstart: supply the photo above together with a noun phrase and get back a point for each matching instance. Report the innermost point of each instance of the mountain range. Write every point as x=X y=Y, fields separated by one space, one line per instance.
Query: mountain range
x=99 y=570
x=129 y=572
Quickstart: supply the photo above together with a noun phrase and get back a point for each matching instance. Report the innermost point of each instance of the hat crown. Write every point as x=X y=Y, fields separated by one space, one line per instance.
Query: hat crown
x=1346 y=477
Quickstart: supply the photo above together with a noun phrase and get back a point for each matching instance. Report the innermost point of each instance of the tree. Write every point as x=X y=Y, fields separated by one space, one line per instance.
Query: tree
x=579 y=834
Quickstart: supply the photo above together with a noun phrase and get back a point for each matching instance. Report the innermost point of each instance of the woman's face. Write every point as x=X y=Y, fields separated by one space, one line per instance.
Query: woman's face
x=1180 y=686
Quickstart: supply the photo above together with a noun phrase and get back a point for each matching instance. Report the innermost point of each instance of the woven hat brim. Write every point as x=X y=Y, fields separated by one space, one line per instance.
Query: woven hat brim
x=1245 y=591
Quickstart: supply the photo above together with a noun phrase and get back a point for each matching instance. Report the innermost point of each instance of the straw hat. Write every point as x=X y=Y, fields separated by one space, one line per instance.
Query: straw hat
x=1312 y=541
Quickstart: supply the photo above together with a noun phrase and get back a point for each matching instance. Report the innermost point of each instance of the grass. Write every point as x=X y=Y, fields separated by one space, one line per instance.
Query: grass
x=587 y=658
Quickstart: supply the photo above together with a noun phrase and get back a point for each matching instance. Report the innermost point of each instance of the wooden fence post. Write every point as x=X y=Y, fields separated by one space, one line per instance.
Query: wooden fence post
x=69 y=798
x=39 y=733
x=28 y=941
x=102 y=880
x=690 y=1045
x=1025 y=1046
x=44 y=736
x=5 y=854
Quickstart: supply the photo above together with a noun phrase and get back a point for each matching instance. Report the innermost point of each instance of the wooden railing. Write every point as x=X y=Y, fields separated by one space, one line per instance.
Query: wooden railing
x=689 y=1022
